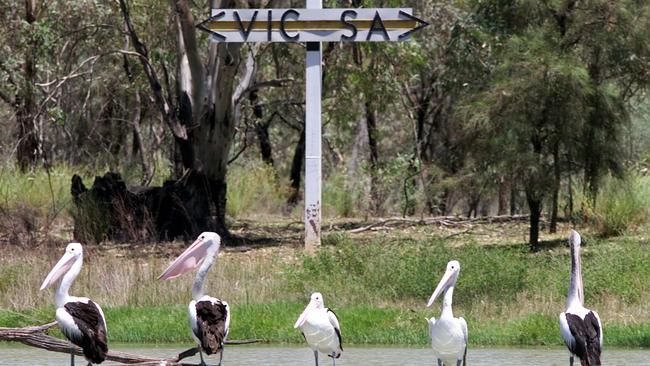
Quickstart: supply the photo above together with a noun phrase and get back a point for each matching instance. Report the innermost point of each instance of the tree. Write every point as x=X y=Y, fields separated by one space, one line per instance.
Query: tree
x=549 y=103
x=203 y=112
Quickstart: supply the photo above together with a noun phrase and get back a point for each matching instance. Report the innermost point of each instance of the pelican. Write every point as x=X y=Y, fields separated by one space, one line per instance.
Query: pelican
x=81 y=320
x=209 y=317
x=580 y=327
x=448 y=334
x=320 y=327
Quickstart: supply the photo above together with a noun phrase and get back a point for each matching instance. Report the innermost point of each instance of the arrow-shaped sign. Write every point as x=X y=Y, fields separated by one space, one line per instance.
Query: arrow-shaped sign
x=312 y=25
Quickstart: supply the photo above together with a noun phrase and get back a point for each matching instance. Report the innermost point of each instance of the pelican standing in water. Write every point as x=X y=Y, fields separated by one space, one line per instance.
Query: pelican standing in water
x=209 y=317
x=81 y=320
x=320 y=327
x=580 y=327
x=448 y=334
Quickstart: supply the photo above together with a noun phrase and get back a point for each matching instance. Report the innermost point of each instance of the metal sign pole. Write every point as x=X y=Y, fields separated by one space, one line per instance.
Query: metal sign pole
x=313 y=83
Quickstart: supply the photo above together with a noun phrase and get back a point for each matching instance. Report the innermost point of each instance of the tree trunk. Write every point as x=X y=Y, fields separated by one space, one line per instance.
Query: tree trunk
x=556 y=188
x=138 y=142
x=296 y=170
x=502 y=201
x=443 y=205
x=535 y=207
x=570 y=193
x=592 y=154
x=27 y=152
x=371 y=123
x=513 y=198
x=261 y=129
x=202 y=115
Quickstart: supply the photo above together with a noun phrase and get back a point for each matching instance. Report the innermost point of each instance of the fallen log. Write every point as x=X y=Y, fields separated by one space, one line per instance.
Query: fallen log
x=447 y=221
x=35 y=336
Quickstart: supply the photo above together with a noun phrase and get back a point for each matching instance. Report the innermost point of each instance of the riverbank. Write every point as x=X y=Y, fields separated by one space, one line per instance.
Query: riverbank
x=377 y=283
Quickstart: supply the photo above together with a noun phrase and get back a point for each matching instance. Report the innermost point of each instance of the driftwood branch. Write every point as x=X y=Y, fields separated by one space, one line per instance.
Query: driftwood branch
x=34 y=336
x=447 y=221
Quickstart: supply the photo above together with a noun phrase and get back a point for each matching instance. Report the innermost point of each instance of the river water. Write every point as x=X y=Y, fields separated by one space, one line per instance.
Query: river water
x=371 y=356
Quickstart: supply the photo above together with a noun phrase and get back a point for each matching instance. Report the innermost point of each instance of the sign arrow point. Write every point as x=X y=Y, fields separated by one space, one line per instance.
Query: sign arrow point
x=421 y=24
x=202 y=26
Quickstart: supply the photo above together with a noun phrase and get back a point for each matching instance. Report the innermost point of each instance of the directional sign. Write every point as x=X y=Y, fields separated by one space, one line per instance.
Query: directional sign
x=312 y=25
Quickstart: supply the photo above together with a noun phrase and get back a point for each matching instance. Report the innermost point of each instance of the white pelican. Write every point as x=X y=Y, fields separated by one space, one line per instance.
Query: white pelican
x=81 y=320
x=209 y=317
x=321 y=329
x=448 y=334
x=580 y=327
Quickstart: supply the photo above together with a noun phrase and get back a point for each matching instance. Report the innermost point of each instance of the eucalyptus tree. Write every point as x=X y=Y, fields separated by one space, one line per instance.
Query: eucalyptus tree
x=201 y=105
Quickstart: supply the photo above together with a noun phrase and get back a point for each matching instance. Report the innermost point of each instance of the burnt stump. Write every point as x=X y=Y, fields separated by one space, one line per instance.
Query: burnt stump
x=111 y=210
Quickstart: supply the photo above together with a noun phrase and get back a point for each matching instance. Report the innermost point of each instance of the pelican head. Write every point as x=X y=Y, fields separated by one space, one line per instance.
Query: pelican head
x=448 y=280
x=316 y=302
x=73 y=253
x=207 y=244
x=574 y=239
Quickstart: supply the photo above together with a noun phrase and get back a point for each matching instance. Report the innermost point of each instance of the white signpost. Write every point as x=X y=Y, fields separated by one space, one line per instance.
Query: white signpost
x=312 y=25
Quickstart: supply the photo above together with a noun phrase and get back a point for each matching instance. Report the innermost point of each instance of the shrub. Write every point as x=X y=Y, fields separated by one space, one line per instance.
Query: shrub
x=620 y=206
x=253 y=188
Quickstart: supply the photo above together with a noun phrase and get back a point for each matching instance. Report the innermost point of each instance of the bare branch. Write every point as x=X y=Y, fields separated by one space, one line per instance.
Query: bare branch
x=34 y=336
x=163 y=103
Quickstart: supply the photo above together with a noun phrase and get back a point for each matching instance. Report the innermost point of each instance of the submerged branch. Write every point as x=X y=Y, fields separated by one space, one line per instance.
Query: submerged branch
x=34 y=336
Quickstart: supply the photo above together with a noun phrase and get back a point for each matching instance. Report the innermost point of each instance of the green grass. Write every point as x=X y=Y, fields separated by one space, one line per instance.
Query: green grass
x=378 y=288
x=360 y=325
x=253 y=188
x=35 y=190
x=622 y=205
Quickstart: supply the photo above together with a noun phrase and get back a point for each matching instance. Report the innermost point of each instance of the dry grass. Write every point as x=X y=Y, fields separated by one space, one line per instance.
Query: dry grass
x=265 y=272
x=115 y=277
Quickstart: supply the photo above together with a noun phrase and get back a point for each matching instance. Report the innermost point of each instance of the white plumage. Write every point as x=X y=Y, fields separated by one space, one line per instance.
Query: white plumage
x=448 y=334
x=321 y=329
x=580 y=327
x=209 y=317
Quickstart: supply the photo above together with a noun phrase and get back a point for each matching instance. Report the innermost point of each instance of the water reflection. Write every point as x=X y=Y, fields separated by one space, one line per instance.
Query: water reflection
x=301 y=356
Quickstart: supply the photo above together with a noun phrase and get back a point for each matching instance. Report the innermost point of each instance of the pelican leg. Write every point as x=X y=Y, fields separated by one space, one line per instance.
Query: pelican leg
x=201 y=355
x=333 y=359
x=570 y=360
x=459 y=362
x=71 y=357
x=221 y=356
x=440 y=362
x=316 y=357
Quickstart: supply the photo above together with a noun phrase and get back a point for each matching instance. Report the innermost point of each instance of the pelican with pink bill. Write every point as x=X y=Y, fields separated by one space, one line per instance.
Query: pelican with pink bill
x=209 y=317
x=81 y=320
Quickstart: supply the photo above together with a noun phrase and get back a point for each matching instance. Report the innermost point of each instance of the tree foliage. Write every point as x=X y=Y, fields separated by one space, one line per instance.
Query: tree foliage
x=499 y=106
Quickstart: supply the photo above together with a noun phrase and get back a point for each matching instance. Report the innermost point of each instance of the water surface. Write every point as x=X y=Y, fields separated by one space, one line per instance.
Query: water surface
x=301 y=356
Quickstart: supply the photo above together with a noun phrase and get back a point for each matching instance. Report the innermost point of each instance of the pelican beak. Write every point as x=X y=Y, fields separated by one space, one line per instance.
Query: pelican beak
x=446 y=280
x=303 y=317
x=62 y=266
x=191 y=258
